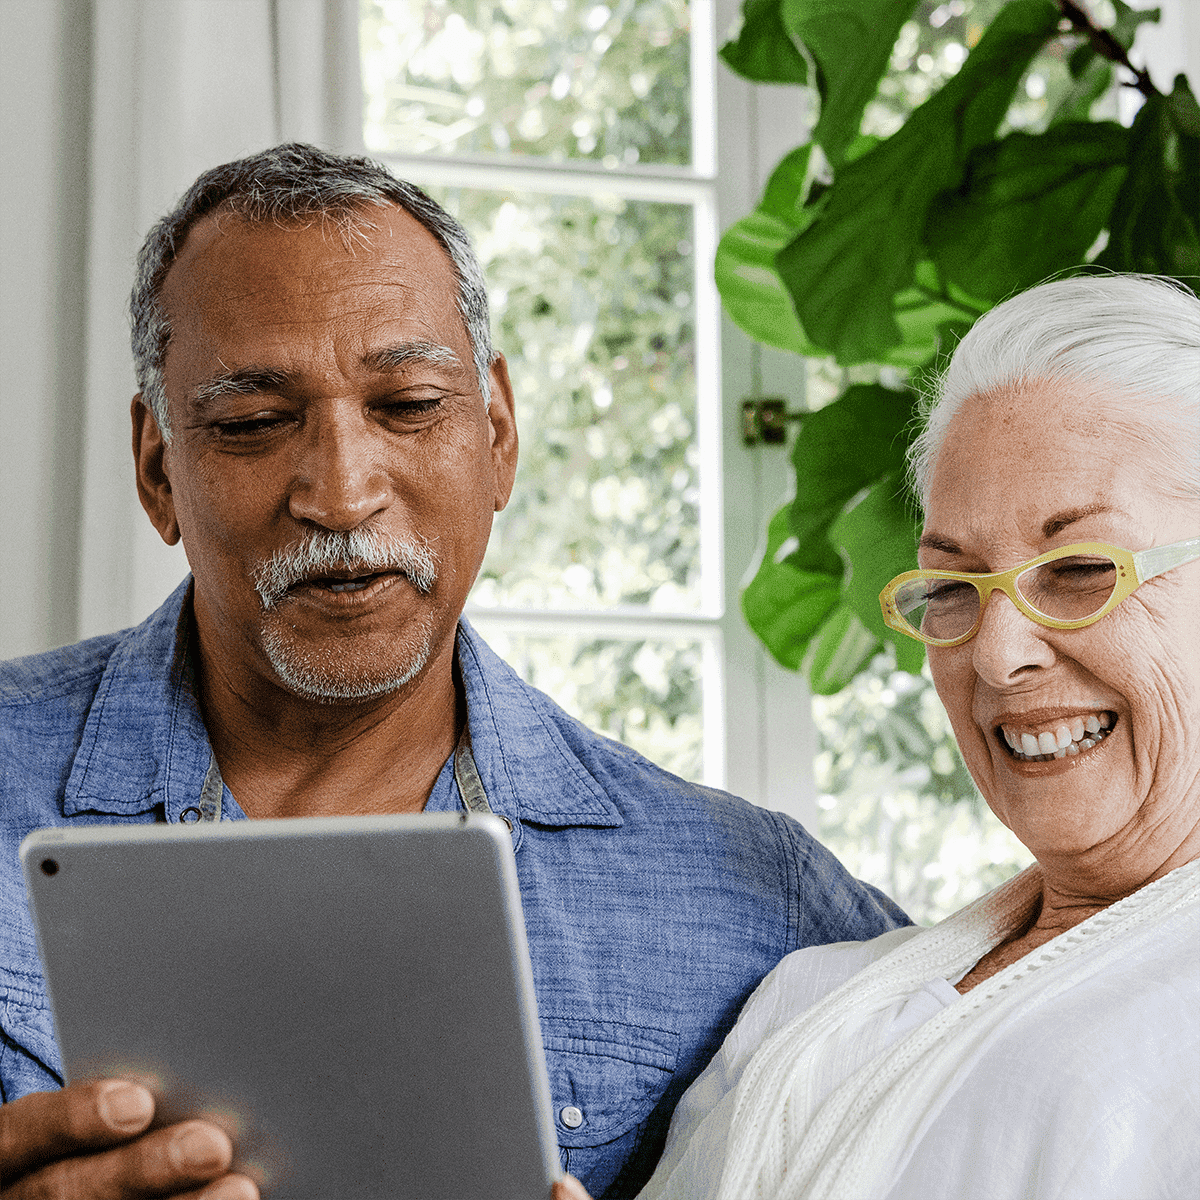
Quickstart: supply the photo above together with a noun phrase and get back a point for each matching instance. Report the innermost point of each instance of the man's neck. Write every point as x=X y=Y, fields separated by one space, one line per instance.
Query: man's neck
x=284 y=756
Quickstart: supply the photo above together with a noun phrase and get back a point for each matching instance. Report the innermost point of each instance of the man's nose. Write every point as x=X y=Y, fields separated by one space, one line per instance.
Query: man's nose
x=1008 y=646
x=339 y=480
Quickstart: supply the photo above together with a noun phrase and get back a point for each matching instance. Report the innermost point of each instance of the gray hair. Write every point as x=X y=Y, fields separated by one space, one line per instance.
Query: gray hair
x=289 y=184
x=1136 y=334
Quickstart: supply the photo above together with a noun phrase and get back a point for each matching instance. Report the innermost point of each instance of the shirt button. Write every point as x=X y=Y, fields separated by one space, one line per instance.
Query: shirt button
x=571 y=1117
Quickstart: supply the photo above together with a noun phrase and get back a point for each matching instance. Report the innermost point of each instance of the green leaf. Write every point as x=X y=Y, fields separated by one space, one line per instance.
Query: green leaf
x=785 y=606
x=851 y=42
x=1029 y=206
x=930 y=313
x=1155 y=225
x=751 y=291
x=750 y=287
x=853 y=446
x=839 y=651
x=1076 y=105
x=787 y=194
x=763 y=49
x=839 y=450
x=878 y=539
x=844 y=270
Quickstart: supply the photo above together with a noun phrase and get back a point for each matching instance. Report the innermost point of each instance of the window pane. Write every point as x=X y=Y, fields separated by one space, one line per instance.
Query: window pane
x=593 y=307
x=554 y=78
x=643 y=692
x=897 y=806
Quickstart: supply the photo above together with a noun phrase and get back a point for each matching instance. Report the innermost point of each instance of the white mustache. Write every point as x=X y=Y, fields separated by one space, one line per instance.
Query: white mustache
x=357 y=551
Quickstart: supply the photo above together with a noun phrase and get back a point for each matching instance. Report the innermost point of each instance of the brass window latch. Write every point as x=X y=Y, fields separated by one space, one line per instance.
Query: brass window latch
x=764 y=420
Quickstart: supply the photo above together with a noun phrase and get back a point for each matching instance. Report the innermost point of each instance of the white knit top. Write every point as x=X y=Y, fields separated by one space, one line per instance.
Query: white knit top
x=856 y=1074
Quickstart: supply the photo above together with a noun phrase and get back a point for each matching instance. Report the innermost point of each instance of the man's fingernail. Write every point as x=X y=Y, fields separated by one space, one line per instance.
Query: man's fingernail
x=197 y=1150
x=232 y=1187
x=125 y=1106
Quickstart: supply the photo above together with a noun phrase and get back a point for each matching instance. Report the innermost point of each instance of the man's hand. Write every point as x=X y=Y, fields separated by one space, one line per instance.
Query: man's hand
x=89 y=1142
x=569 y=1188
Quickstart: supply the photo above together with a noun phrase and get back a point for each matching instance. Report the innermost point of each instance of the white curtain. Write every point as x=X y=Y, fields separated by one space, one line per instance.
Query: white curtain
x=110 y=109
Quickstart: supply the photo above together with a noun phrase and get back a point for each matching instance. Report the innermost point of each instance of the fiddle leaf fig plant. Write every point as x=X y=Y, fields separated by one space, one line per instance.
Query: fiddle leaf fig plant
x=884 y=250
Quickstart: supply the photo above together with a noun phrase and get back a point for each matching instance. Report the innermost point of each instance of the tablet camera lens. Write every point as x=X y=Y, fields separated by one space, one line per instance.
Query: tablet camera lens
x=49 y=866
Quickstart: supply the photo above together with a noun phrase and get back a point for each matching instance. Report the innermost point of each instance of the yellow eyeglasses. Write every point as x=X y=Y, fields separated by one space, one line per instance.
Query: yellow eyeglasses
x=1067 y=588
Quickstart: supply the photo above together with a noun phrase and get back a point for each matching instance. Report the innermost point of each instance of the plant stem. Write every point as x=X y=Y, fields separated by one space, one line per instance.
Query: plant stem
x=1106 y=45
x=944 y=297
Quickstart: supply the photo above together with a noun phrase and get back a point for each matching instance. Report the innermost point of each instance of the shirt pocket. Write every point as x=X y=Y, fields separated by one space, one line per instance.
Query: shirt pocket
x=605 y=1077
x=29 y=1058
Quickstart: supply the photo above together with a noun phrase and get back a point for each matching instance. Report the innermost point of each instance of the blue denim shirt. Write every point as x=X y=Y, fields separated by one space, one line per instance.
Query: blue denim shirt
x=653 y=906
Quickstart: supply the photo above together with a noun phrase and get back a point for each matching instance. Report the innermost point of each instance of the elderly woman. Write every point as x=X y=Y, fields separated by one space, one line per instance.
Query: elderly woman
x=1044 y=1041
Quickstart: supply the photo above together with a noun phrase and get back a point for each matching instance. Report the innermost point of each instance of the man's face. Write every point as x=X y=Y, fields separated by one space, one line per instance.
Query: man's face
x=324 y=397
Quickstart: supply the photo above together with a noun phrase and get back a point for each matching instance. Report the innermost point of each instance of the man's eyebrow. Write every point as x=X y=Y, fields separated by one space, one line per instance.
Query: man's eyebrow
x=244 y=382
x=389 y=358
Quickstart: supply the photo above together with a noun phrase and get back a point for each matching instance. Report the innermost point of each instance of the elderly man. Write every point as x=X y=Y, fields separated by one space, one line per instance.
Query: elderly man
x=323 y=423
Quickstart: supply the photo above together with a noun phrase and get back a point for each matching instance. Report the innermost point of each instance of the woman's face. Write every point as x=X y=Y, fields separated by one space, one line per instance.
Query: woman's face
x=1020 y=473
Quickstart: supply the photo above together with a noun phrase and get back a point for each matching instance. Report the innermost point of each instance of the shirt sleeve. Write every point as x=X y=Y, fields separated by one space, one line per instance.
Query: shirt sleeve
x=829 y=904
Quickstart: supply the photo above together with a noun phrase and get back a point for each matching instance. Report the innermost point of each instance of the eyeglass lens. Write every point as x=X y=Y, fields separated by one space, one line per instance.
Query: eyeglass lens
x=1066 y=589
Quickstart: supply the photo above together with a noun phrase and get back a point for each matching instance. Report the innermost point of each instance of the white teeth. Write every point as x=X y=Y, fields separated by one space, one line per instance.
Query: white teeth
x=1066 y=738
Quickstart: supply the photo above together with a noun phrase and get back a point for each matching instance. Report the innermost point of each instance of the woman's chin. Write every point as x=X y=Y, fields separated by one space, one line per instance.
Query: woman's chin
x=1055 y=806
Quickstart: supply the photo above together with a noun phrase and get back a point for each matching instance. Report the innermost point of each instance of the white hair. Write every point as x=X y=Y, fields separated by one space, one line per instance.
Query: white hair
x=1134 y=338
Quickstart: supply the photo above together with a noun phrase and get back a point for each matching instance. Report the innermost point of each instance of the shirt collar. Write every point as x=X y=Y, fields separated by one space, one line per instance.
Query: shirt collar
x=144 y=742
x=528 y=770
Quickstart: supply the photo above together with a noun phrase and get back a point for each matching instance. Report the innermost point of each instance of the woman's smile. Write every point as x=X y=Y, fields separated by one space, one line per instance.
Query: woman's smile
x=1060 y=737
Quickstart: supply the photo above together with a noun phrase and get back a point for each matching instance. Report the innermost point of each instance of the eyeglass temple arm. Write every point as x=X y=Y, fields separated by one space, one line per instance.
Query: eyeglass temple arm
x=1158 y=559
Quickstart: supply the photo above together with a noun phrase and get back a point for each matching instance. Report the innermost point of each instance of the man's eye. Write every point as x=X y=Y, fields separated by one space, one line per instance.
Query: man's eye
x=247 y=427
x=411 y=406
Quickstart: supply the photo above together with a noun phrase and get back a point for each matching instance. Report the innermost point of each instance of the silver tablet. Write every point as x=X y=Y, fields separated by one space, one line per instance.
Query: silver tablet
x=352 y=995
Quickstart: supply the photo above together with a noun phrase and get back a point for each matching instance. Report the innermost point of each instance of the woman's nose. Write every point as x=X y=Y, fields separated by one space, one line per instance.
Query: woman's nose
x=1007 y=645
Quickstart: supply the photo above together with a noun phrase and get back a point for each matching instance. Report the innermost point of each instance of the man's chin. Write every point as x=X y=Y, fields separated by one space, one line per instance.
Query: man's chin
x=341 y=673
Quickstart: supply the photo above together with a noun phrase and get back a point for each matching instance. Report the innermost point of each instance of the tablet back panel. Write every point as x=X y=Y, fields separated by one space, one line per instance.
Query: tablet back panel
x=353 y=994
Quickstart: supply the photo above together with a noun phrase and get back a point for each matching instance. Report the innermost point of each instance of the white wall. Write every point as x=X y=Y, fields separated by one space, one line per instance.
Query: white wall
x=44 y=63
x=110 y=108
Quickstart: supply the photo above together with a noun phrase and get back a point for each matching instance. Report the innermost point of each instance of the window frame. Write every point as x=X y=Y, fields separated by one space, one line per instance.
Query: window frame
x=759 y=737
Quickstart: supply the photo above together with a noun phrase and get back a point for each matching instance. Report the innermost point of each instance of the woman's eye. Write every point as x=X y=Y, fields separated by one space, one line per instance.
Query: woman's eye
x=948 y=591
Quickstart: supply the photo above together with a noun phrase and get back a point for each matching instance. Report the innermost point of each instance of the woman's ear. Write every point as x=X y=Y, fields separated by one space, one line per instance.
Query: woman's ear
x=150 y=453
